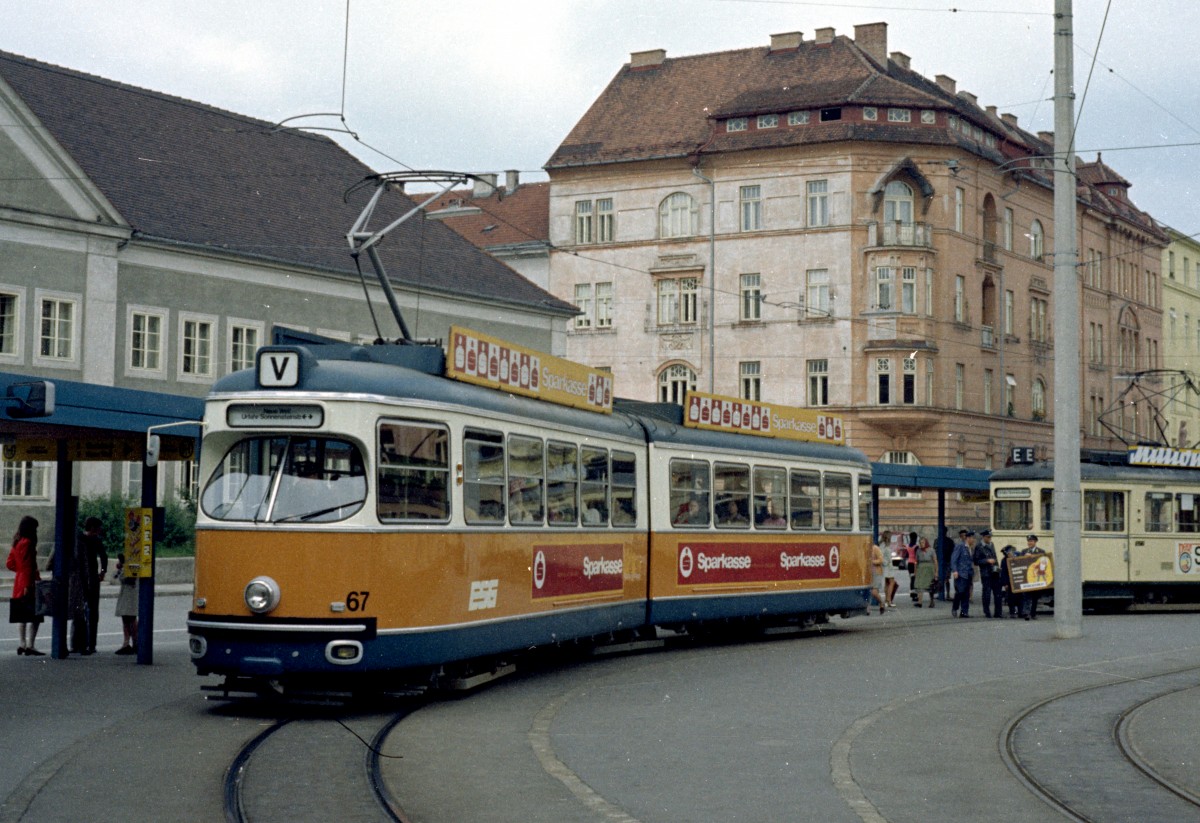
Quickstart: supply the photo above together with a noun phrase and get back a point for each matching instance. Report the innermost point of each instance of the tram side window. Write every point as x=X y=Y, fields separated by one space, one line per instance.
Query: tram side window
x=414 y=472
x=770 y=498
x=562 y=484
x=484 y=497
x=690 y=485
x=526 y=481
x=624 y=488
x=1103 y=511
x=731 y=487
x=593 y=488
x=1160 y=512
x=839 y=503
x=806 y=500
x=1189 y=517
x=865 y=522
x=1047 y=499
x=1016 y=515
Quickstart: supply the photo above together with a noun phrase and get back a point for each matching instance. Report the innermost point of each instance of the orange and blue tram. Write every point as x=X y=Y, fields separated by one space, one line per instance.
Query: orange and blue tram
x=362 y=516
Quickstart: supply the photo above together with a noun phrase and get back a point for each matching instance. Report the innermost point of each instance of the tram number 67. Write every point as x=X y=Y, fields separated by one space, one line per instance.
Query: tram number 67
x=357 y=601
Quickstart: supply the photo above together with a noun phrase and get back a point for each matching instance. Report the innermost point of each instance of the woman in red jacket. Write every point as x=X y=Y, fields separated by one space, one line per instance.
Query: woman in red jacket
x=22 y=559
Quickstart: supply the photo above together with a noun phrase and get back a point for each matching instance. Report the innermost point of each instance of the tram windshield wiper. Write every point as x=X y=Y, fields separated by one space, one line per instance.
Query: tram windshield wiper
x=306 y=516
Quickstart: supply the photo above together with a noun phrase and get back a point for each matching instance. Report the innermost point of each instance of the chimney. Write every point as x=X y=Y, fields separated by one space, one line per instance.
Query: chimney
x=647 y=59
x=947 y=84
x=485 y=186
x=901 y=59
x=825 y=36
x=872 y=39
x=1009 y=118
x=970 y=98
x=1047 y=136
x=993 y=111
x=512 y=179
x=788 y=41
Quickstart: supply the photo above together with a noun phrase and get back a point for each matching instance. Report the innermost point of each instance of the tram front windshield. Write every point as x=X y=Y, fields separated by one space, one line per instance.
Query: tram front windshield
x=284 y=479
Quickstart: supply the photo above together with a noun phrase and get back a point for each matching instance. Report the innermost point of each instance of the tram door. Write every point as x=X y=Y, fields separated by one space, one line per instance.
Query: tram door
x=1105 y=537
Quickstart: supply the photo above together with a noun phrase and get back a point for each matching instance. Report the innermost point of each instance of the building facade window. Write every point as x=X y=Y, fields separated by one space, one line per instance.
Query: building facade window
x=604 y=305
x=146 y=340
x=196 y=346
x=884 y=290
x=10 y=303
x=768 y=121
x=57 y=329
x=244 y=339
x=908 y=290
x=675 y=382
x=1037 y=240
x=1037 y=399
x=583 y=302
x=1008 y=229
x=797 y=118
x=750 y=198
x=583 y=222
x=751 y=380
x=960 y=299
x=899 y=116
x=1038 y=327
x=818 y=203
x=677 y=216
x=751 y=289
x=818 y=382
x=987 y=391
x=26 y=480
x=736 y=124
x=677 y=301
x=870 y=113
x=898 y=203
x=1010 y=395
x=959 y=198
x=959 y=385
x=900 y=458
x=1008 y=311
x=883 y=381
x=606 y=224
x=908 y=378
x=817 y=302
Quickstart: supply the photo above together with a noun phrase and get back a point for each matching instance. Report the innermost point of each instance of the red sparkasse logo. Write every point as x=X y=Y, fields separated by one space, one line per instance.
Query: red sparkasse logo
x=772 y=562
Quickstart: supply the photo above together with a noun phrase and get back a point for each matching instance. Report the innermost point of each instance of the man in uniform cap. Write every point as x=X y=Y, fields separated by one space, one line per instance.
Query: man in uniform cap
x=989 y=574
x=1029 y=600
x=962 y=570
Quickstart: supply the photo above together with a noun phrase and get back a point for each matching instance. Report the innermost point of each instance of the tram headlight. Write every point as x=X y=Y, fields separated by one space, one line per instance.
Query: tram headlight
x=261 y=595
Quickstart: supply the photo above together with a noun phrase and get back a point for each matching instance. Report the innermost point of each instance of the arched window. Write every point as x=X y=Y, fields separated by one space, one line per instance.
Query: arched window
x=1037 y=240
x=898 y=203
x=674 y=382
x=1037 y=399
x=677 y=216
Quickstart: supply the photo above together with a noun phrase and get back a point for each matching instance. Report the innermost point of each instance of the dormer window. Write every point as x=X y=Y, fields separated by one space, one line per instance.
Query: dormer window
x=870 y=113
x=768 y=121
x=735 y=124
x=899 y=116
x=829 y=115
x=797 y=118
x=1114 y=191
x=928 y=116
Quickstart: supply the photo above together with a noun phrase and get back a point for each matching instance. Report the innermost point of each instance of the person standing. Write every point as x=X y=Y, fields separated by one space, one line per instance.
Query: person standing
x=962 y=572
x=22 y=559
x=989 y=574
x=1011 y=598
x=910 y=547
x=96 y=567
x=946 y=548
x=877 y=564
x=889 y=570
x=127 y=608
x=926 y=579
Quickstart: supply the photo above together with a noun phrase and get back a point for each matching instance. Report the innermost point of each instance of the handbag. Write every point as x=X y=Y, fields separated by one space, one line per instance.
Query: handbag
x=43 y=597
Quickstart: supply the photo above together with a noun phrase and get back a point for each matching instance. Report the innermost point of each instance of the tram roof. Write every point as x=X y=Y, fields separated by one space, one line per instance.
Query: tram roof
x=1100 y=471
x=375 y=370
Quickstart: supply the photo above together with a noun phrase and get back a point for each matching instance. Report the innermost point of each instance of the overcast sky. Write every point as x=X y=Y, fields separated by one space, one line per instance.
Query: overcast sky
x=489 y=85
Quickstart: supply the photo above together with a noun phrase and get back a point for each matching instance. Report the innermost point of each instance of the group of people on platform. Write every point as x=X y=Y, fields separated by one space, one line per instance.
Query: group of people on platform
x=952 y=574
x=84 y=572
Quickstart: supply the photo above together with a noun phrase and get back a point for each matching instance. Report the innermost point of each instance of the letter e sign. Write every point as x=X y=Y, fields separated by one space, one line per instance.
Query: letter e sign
x=278 y=369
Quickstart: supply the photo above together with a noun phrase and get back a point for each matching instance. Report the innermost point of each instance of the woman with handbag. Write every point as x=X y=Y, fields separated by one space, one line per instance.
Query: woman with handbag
x=22 y=559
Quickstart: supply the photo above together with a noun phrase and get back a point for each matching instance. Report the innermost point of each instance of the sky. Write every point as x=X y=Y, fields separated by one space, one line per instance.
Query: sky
x=486 y=86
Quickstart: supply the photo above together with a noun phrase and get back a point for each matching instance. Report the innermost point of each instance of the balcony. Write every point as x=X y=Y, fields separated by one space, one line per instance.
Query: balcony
x=895 y=233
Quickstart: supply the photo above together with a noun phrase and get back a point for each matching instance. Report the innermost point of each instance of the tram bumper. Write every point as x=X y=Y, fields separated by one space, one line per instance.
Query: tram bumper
x=263 y=647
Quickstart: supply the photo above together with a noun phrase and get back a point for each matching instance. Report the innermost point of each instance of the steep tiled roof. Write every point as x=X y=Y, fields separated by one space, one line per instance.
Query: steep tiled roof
x=504 y=219
x=187 y=173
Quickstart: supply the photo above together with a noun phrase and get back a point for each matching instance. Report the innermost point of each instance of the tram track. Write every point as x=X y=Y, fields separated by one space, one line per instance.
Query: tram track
x=1112 y=779
x=311 y=766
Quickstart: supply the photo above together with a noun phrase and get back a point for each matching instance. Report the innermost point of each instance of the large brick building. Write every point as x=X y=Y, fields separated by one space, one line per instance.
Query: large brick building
x=815 y=224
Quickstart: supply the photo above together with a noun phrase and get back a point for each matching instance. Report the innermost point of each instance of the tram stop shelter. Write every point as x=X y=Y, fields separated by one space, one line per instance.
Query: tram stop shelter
x=66 y=422
x=926 y=478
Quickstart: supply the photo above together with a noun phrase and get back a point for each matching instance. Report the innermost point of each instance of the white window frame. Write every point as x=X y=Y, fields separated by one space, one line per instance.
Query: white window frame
x=584 y=222
x=751 y=294
x=236 y=324
x=960 y=196
x=818 y=295
x=818 y=203
x=18 y=294
x=883 y=291
x=1009 y=309
x=674 y=382
x=36 y=475
x=604 y=305
x=606 y=221
x=1037 y=240
x=959 y=385
x=737 y=124
x=750 y=380
x=899 y=115
x=818 y=381
x=132 y=312
x=908 y=290
x=798 y=118
x=870 y=113
x=678 y=301
x=960 y=299
x=42 y=296
x=750 y=203
x=768 y=121
x=196 y=376
x=1008 y=229
x=678 y=216
x=583 y=301
x=883 y=379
